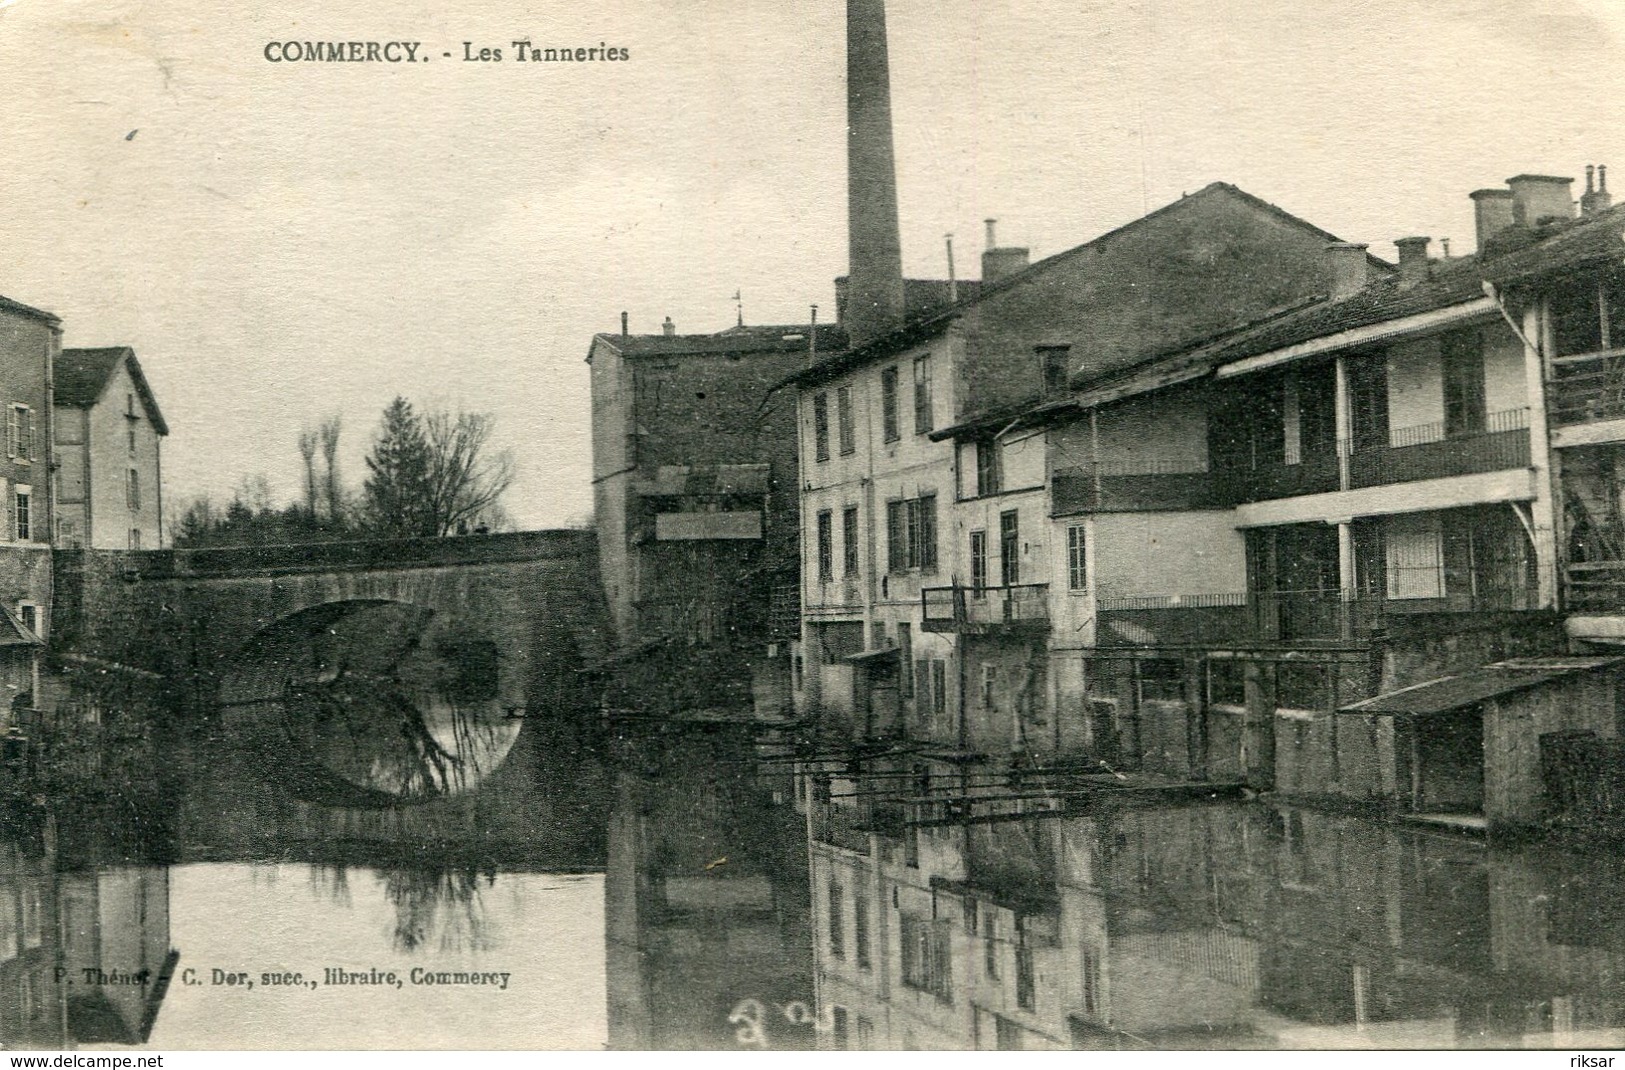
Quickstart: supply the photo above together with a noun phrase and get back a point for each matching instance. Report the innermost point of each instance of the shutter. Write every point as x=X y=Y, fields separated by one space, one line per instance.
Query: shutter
x=11 y=432
x=11 y=508
x=28 y=451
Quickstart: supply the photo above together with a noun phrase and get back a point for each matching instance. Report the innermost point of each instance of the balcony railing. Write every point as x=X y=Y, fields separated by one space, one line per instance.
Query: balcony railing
x=1588 y=387
x=1428 y=451
x=983 y=610
x=1316 y=473
x=1106 y=488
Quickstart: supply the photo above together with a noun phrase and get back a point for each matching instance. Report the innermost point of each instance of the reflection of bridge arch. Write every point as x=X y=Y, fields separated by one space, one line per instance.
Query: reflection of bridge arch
x=370 y=702
x=504 y=621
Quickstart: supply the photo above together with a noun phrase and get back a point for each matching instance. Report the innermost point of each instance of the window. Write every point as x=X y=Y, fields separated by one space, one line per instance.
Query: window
x=905 y=657
x=989 y=470
x=132 y=489
x=888 y=404
x=839 y=1019
x=1301 y=687
x=1026 y=989
x=837 y=921
x=1589 y=315
x=826 y=546
x=990 y=681
x=131 y=429
x=1461 y=357
x=1091 y=983
x=22 y=433
x=21 y=518
x=843 y=420
x=922 y=394
x=911 y=534
x=860 y=929
x=1077 y=574
x=1009 y=548
x=939 y=687
x=926 y=956
x=1054 y=364
x=849 y=540
x=1227 y=683
x=29 y=614
x=135 y=538
x=990 y=949
x=978 y=562
x=821 y=427
x=1161 y=680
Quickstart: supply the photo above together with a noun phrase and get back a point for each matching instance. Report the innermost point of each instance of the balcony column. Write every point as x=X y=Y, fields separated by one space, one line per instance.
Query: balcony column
x=1345 y=575
x=1345 y=423
x=1543 y=511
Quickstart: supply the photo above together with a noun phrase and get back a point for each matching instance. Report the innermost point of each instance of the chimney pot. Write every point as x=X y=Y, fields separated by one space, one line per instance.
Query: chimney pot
x=1348 y=268
x=1413 y=261
x=668 y=328
x=624 y=331
x=992 y=243
x=1598 y=199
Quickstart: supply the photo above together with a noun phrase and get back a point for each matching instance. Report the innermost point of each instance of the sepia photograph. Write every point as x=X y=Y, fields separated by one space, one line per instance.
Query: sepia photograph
x=820 y=525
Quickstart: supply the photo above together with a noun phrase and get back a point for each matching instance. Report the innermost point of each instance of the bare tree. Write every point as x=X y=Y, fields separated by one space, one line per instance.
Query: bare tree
x=466 y=480
x=330 y=449
x=307 y=450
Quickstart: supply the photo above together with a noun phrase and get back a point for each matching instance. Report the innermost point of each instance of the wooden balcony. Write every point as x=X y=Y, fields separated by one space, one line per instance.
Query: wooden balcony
x=1018 y=608
x=1097 y=488
x=1427 y=451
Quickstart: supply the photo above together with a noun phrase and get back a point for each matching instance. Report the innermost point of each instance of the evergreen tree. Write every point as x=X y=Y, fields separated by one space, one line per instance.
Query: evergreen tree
x=397 y=495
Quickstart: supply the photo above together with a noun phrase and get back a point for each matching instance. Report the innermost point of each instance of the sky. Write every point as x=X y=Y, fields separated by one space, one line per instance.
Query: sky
x=284 y=242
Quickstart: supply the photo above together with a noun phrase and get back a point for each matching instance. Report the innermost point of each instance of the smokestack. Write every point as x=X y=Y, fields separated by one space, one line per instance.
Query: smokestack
x=624 y=331
x=1347 y=266
x=1413 y=261
x=669 y=329
x=953 y=283
x=874 y=299
x=1000 y=263
x=1492 y=213
x=1539 y=197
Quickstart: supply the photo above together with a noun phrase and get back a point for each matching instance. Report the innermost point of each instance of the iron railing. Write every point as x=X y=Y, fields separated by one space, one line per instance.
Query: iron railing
x=959 y=608
x=1430 y=451
x=1594 y=586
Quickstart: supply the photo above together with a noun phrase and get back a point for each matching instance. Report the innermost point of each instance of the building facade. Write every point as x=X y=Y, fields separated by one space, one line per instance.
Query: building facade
x=108 y=432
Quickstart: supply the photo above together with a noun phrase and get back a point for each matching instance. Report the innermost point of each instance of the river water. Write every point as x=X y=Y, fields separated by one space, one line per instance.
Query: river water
x=709 y=886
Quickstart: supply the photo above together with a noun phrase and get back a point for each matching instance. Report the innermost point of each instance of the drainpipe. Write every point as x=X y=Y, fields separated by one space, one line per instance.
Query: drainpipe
x=1535 y=332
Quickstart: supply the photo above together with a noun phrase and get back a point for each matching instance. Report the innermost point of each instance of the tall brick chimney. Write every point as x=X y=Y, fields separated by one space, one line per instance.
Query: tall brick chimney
x=874 y=291
x=1596 y=197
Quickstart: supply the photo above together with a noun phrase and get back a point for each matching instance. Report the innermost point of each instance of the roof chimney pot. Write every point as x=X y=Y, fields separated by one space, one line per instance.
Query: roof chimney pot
x=1598 y=199
x=1348 y=268
x=1413 y=261
x=624 y=331
x=669 y=329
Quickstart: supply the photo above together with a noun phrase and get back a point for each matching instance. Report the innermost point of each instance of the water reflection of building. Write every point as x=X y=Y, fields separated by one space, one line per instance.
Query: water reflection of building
x=705 y=899
x=84 y=955
x=1234 y=925
x=115 y=951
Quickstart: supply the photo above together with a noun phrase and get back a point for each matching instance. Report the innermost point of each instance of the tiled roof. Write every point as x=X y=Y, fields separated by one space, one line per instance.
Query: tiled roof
x=1565 y=245
x=741 y=340
x=8 y=305
x=1454 y=282
x=931 y=324
x=81 y=375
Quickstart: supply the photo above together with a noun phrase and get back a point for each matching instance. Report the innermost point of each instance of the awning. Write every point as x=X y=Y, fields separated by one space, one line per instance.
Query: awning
x=873 y=657
x=1464 y=689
